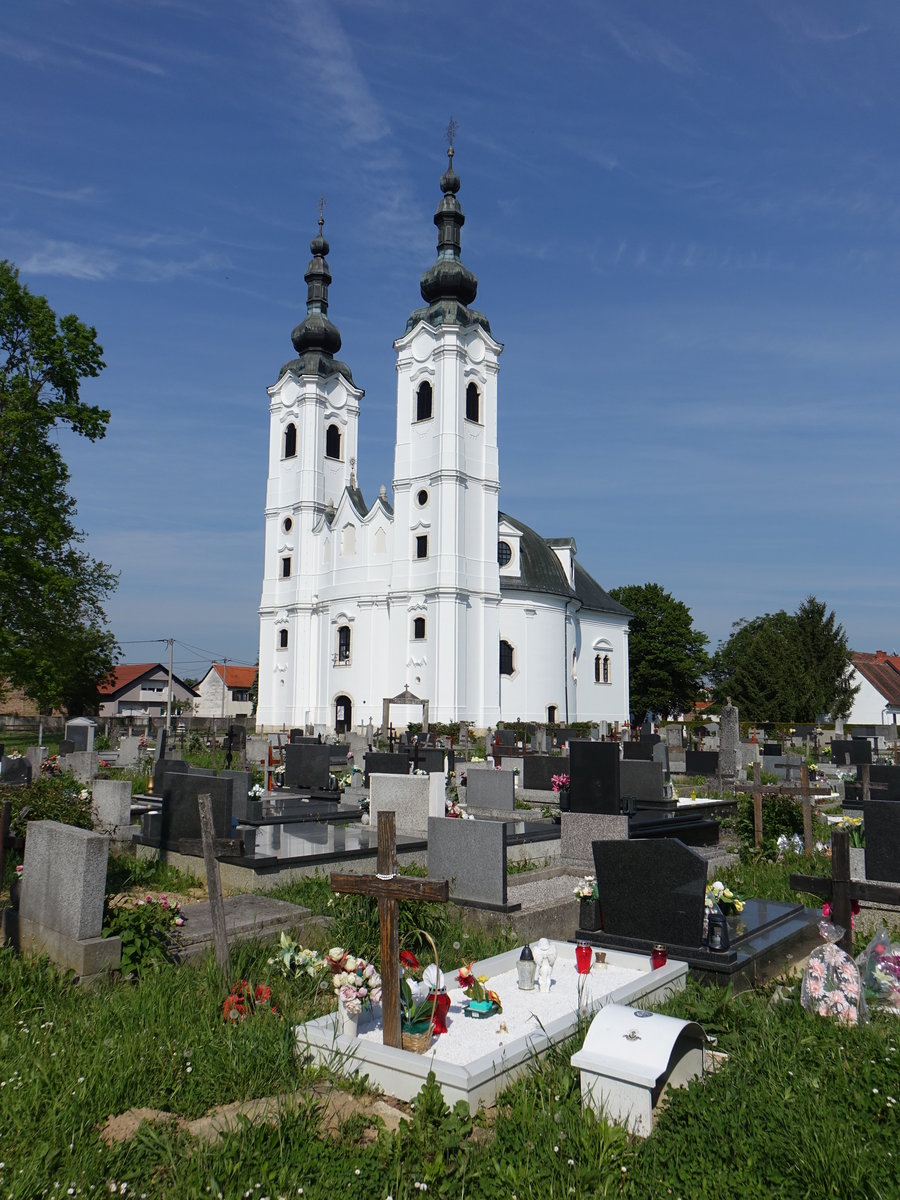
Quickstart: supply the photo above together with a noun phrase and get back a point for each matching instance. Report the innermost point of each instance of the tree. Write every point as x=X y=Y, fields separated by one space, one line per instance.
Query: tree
x=53 y=637
x=784 y=667
x=666 y=654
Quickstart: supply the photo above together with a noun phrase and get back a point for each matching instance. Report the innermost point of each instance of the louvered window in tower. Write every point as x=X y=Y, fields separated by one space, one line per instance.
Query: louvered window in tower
x=332 y=442
x=424 y=402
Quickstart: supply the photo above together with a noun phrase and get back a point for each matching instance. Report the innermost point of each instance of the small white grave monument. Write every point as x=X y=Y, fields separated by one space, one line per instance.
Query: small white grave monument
x=629 y=1056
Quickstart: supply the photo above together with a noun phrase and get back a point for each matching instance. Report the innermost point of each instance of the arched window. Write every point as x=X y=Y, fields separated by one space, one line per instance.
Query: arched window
x=424 y=402
x=419 y=629
x=332 y=442
x=282 y=639
x=343 y=652
x=506 y=658
x=597 y=668
x=290 y=441
x=348 y=540
x=551 y=714
x=473 y=403
x=606 y=668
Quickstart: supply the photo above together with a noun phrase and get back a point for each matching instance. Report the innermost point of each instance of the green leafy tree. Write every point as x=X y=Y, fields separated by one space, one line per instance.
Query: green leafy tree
x=666 y=654
x=53 y=637
x=784 y=667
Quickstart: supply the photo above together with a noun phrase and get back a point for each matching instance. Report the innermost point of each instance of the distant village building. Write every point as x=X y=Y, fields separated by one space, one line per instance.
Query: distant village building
x=878 y=700
x=435 y=594
x=225 y=691
x=142 y=690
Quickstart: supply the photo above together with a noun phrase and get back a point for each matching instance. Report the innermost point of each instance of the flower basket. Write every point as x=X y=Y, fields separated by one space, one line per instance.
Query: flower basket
x=416 y=1038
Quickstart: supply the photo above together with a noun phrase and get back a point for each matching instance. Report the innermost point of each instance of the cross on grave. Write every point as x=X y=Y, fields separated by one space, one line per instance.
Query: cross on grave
x=389 y=889
x=840 y=889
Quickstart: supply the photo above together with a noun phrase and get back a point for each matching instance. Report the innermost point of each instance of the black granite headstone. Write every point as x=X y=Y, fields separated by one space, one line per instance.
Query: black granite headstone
x=180 y=812
x=701 y=762
x=771 y=749
x=505 y=737
x=242 y=781
x=164 y=767
x=661 y=755
x=595 y=777
x=653 y=889
x=238 y=735
x=539 y=769
x=306 y=766
x=855 y=753
x=431 y=761
x=643 y=781
x=885 y=782
x=77 y=735
x=881 y=821
x=641 y=751
x=378 y=763
x=66 y=747
x=652 y=738
x=15 y=772
x=563 y=736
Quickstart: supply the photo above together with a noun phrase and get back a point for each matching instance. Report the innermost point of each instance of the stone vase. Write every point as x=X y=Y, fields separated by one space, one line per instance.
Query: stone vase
x=347 y=1021
x=589 y=913
x=563 y=796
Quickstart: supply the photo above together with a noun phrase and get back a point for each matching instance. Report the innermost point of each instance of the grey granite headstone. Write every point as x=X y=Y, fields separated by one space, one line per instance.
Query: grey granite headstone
x=653 y=889
x=579 y=830
x=729 y=747
x=240 y=792
x=15 y=772
x=661 y=756
x=163 y=769
x=180 y=811
x=643 y=781
x=471 y=855
x=111 y=802
x=83 y=764
x=491 y=789
x=414 y=798
x=36 y=755
x=307 y=766
x=595 y=777
x=674 y=737
x=881 y=820
x=129 y=751
x=64 y=880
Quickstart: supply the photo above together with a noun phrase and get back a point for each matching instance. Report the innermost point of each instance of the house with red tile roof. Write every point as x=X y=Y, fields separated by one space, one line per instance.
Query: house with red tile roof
x=878 y=700
x=142 y=690
x=225 y=691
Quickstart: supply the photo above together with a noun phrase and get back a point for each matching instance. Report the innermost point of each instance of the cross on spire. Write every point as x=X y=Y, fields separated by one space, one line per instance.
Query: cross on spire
x=321 y=211
x=451 y=134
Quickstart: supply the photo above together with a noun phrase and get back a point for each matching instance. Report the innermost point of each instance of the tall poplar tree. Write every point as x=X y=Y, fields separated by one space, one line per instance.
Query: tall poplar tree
x=54 y=642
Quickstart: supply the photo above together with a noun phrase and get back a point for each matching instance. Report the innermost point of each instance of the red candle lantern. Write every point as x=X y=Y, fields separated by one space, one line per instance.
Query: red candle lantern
x=584 y=958
x=441 y=1008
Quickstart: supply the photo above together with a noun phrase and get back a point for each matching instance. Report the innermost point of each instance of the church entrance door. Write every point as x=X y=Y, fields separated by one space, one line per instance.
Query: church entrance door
x=343 y=714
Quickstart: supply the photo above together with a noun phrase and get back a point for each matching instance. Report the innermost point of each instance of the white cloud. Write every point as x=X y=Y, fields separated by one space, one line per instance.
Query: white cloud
x=72 y=261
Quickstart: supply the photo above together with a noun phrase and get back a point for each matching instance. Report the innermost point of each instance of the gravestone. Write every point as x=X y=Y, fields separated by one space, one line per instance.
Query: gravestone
x=414 y=798
x=83 y=764
x=701 y=762
x=579 y=830
x=750 y=755
x=80 y=732
x=111 y=802
x=595 y=777
x=36 y=755
x=538 y=771
x=641 y=751
x=854 y=753
x=505 y=737
x=881 y=820
x=180 y=812
x=651 y=889
x=129 y=751
x=643 y=781
x=238 y=735
x=491 y=789
x=885 y=782
x=163 y=768
x=307 y=766
x=674 y=737
x=379 y=763
x=243 y=781
x=15 y=772
x=432 y=761
x=472 y=856
x=661 y=756
x=65 y=748
x=729 y=747
x=771 y=749
x=63 y=891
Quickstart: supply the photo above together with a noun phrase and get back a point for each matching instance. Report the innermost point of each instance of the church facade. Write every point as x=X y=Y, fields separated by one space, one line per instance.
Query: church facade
x=436 y=594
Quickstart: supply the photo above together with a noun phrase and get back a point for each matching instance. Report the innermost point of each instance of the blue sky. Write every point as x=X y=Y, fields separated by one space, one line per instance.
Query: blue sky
x=685 y=221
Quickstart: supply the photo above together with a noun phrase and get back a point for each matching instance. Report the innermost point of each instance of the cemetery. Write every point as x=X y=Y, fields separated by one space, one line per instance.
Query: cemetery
x=625 y=1000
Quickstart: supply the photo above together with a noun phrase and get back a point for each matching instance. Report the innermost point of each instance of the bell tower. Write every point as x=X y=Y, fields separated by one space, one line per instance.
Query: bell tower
x=446 y=483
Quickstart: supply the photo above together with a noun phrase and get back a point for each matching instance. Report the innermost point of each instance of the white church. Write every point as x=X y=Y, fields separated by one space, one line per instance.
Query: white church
x=438 y=597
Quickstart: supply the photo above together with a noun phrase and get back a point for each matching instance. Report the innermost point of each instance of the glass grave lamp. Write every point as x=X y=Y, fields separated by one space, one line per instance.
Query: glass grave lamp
x=526 y=968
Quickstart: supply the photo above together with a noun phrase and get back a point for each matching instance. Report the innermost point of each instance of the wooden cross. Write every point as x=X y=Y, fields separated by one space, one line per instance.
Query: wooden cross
x=389 y=889
x=840 y=889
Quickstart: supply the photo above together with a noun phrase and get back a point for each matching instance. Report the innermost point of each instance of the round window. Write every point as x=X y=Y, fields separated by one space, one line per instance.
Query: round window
x=504 y=553
x=287 y=524
x=422 y=498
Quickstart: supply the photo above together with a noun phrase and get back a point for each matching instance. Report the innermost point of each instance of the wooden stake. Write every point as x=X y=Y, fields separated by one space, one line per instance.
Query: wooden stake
x=214 y=887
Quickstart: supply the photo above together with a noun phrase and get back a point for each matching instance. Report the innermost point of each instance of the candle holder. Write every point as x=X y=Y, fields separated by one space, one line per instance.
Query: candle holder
x=584 y=958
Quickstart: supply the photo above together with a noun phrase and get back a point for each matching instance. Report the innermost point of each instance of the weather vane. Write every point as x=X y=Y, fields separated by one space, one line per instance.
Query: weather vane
x=451 y=133
x=321 y=210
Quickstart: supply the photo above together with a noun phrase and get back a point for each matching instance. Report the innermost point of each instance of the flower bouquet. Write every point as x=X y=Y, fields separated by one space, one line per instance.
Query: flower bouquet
x=722 y=897
x=587 y=889
x=244 y=1000
x=560 y=783
x=356 y=983
x=294 y=960
x=482 y=1001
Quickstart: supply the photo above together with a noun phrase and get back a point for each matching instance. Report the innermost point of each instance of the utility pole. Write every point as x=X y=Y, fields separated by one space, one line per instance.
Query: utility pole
x=171 y=642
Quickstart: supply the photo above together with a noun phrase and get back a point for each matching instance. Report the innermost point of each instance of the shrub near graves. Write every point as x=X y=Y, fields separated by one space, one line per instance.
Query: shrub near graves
x=51 y=798
x=148 y=929
x=781 y=815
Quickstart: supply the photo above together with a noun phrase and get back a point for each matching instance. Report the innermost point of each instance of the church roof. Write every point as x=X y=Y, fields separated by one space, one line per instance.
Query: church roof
x=541 y=571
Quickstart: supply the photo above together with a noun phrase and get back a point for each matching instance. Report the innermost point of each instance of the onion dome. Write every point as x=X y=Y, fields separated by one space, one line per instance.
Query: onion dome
x=448 y=287
x=316 y=339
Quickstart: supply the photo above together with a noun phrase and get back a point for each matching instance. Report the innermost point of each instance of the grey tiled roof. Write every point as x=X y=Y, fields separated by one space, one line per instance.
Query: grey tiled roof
x=541 y=571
